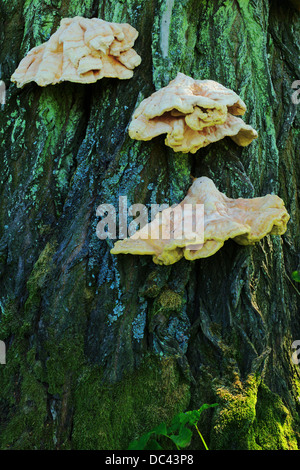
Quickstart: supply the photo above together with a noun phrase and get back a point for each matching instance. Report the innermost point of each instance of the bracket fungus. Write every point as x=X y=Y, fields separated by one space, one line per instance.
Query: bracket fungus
x=184 y=231
x=82 y=50
x=193 y=114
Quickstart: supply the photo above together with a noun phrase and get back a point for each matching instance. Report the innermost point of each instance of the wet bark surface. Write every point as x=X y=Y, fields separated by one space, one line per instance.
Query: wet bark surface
x=102 y=348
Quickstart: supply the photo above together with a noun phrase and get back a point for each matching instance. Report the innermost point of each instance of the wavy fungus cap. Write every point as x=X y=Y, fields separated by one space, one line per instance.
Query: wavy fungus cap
x=246 y=221
x=193 y=113
x=82 y=50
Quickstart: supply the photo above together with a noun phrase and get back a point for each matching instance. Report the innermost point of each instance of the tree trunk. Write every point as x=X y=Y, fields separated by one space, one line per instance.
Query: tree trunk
x=103 y=348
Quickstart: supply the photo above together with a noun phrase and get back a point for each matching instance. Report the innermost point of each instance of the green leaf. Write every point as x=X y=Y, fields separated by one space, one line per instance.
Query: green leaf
x=180 y=434
x=205 y=406
x=193 y=416
x=181 y=419
x=161 y=429
x=184 y=437
x=189 y=417
x=296 y=276
x=140 y=444
x=153 y=445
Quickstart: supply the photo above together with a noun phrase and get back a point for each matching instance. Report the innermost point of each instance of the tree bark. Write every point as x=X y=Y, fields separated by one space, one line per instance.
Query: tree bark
x=103 y=348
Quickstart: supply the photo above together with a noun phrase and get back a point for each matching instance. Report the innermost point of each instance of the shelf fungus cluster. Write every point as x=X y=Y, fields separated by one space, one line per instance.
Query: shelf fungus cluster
x=82 y=50
x=193 y=114
x=184 y=231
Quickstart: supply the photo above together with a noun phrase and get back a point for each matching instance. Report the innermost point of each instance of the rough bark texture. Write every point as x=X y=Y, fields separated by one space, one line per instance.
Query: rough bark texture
x=101 y=349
